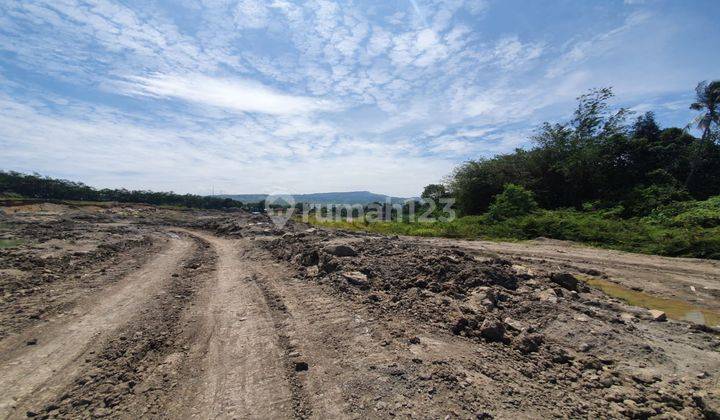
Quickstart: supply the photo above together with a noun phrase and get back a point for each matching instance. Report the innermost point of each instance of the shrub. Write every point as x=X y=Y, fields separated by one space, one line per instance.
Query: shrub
x=514 y=201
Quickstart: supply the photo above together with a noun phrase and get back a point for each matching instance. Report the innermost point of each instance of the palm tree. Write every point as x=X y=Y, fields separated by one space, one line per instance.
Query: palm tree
x=707 y=100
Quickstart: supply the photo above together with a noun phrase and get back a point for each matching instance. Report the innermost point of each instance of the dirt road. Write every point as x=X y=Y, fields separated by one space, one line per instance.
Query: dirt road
x=306 y=323
x=41 y=361
x=243 y=372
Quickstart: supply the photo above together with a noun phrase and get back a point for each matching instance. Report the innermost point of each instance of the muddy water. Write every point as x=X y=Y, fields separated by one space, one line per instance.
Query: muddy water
x=674 y=308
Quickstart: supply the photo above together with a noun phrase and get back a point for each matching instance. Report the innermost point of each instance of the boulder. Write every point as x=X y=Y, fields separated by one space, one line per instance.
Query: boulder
x=492 y=330
x=356 y=278
x=514 y=325
x=528 y=343
x=565 y=280
x=340 y=250
x=645 y=378
x=548 y=295
x=657 y=316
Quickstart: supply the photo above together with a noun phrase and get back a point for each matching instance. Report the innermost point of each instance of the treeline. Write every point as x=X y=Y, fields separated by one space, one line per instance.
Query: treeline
x=40 y=187
x=599 y=160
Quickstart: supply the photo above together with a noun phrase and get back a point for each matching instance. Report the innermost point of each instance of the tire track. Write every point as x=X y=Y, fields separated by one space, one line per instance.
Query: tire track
x=238 y=357
x=38 y=372
x=133 y=373
x=301 y=404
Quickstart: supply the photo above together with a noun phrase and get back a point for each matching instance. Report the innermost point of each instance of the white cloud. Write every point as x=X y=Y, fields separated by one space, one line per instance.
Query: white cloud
x=234 y=94
x=109 y=150
x=511 y=53
x=580 y=51
x=347 y=86
x=251 y=14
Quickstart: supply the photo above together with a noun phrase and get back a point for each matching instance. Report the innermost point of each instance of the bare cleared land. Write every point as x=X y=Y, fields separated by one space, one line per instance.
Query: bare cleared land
x=135 y=311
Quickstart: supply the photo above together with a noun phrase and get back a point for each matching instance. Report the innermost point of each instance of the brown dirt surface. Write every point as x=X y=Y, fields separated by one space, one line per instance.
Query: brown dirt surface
x=134 y=311
x=689 y=279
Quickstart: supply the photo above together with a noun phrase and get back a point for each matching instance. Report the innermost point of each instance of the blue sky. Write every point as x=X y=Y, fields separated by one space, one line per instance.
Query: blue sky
x=277 y=96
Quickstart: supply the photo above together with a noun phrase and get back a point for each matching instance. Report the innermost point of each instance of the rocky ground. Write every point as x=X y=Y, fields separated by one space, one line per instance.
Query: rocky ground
x=137 y=311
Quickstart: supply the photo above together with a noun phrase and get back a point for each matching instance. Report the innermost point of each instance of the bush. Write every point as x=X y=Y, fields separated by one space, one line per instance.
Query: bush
x=643 y=200
x=514 y=201
x=704 y=214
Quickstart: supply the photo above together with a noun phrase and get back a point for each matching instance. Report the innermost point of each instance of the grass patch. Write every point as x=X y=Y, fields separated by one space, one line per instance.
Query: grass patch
x=647 y=235
x=9 y=243
x=11 y=197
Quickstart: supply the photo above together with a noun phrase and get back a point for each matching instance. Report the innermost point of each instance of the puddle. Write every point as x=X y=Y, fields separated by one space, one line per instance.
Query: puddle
x=674 y=308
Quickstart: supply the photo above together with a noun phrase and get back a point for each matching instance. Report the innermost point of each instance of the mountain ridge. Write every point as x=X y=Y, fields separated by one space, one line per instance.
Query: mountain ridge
x=336 y=197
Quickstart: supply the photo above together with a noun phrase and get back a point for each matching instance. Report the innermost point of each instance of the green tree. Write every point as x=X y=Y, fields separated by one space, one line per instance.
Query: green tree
x=434 y=192
x=645 y=127
x=707 y=101
x=512 y=202
x=596 y=157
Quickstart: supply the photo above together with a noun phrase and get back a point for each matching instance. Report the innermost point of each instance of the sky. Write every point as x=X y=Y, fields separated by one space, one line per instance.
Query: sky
x=274 y=96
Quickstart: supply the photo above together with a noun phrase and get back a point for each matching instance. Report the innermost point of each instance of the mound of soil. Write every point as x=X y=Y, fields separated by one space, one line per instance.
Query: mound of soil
x=550 y=325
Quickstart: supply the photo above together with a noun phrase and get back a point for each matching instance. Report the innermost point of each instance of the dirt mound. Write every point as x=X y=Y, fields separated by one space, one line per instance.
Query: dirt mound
x=580 y=339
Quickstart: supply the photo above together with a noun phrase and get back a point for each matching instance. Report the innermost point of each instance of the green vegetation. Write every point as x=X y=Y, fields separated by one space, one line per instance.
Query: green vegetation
x=9 y=243
x=14 y=185
x=689 y=229
x=594 y=179
x=597 y=159
x=514 y=201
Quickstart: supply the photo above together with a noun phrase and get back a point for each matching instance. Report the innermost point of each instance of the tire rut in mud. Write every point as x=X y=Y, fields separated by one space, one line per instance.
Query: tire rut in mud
x=293 y=368
x=135 y=371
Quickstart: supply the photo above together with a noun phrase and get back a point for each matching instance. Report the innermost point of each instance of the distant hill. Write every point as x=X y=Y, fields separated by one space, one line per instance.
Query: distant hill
x=349 y=197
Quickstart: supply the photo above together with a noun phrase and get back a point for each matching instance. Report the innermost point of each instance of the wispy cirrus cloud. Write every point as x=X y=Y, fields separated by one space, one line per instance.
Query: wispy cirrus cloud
x=365 y=90
x=234 y=94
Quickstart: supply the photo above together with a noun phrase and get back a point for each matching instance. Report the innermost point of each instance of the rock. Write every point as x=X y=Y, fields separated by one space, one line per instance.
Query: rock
x=658 y=316
x=313 y=271
x=618 y=393
x=356 y=278
x=708 y=404
x=565 y=280
x=584 y=347
x=492 y=330
x=483 y=297
x=645 y=378
x=548 y=295
x=528 y=343
x=514 y=325
x=460 y=325
x=301 y=366
x=625 y=316
x=308 y=258
x=31 y=342
x=340 y=250
x=560 y=355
